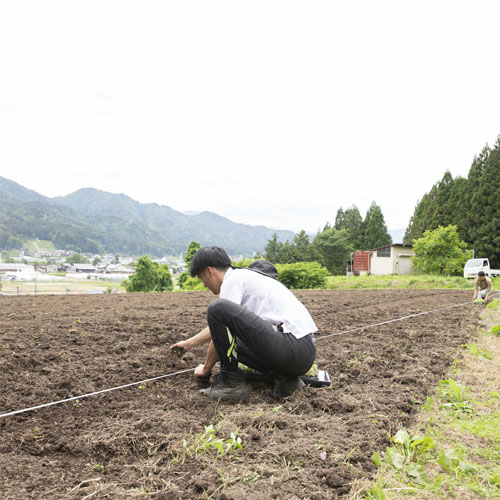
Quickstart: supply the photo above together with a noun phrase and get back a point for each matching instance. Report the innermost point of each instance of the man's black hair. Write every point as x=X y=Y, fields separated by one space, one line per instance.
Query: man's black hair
x=209 y=256
x=481 y=273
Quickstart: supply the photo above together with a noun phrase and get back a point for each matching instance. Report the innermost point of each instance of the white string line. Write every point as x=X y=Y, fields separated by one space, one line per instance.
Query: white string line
x=389 y=321
x=74 y=398
x=394 y=320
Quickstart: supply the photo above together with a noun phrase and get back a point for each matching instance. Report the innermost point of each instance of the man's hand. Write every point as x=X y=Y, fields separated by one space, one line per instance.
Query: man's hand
x=181 y=347
x=201 y=371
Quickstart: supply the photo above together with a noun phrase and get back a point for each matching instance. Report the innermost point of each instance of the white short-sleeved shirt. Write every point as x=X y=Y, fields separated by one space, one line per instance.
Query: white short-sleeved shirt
x=269 y=299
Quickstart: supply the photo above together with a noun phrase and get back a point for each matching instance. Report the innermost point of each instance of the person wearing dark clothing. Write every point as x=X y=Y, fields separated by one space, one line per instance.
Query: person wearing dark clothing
x=256 y=321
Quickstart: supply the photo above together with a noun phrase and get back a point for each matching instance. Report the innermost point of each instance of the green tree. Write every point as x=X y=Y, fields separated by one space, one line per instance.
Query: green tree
x=184 y=281
x=441 y=252
x=76 y=259
x=302 y=249
x=375 y=230
x=334 y=249
x=484 y=209
x=149 y=276
x=272 y=249
x=339 y=219
x=193 y=247
x=471 y=216
x=440 y=207
x=287 y=253
x=353 y=224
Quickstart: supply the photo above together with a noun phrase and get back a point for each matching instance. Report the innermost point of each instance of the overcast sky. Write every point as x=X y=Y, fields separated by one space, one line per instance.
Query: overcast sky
x=270 y=113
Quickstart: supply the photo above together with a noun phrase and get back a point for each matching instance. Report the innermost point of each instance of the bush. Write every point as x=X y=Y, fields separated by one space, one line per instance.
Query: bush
x=242 y=262
x=302 y=275
x=192 y=284
x=440 y=252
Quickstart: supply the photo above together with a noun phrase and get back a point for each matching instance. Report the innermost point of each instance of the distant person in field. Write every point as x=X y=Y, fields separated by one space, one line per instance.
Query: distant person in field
x=256 y=321
x=482 y=287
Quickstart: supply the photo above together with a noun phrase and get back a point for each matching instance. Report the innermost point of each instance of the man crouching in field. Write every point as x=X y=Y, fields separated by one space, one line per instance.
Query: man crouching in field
x=256 y=321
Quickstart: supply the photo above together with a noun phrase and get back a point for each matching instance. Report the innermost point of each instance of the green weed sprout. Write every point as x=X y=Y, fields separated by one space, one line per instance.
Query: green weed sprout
x=495 y=330
x=454 y=393
x=475 y=351
x=494 y=304
x=98 y=467
x=207 y=442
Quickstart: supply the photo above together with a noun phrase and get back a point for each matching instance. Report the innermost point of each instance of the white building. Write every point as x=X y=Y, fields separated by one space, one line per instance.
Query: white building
x=391 y=259
x=15 y=267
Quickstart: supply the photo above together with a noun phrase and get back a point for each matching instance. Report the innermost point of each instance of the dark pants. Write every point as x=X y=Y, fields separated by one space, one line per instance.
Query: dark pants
x=241 y=335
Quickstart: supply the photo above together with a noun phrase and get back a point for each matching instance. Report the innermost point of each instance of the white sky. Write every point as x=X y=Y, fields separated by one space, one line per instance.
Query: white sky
x=270 y=113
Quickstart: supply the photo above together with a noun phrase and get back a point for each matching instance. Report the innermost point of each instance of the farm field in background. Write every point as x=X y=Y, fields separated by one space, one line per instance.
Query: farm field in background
x=154 y=440
x=66 y=287
x=85 y=286
x=401 y=282
x=36 y=245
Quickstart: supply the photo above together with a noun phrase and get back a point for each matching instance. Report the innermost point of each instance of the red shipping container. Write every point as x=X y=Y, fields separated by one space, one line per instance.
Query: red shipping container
x=361 y=262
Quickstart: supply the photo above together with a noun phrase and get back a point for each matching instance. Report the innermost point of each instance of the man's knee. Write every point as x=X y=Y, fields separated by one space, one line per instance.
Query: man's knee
x=219 y=309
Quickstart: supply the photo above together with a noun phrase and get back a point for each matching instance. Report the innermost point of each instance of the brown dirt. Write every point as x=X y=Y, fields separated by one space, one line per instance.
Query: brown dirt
x=128 y=443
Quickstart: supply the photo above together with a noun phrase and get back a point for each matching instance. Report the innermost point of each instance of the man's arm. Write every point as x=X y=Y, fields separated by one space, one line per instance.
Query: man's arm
x=206 y=369
x=488 y=293
x=476 y=290
x=202 y=370
x=186 y=345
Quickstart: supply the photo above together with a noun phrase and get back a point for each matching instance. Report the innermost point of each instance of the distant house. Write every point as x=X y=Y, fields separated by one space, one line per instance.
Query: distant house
x=391 y=259
x=84 y=268
x=68 y=268
x=119 y=269
x=16 y=268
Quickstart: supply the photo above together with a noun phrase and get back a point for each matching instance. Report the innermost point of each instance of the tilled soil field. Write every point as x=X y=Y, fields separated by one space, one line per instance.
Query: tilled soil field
x=146 y=441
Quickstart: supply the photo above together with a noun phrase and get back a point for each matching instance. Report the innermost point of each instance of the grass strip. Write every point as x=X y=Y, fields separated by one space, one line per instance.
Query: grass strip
x=407 y=281
x=453 y=452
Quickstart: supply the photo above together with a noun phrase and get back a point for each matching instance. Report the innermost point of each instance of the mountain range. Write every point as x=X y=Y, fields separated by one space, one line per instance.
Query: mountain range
x=90 y=220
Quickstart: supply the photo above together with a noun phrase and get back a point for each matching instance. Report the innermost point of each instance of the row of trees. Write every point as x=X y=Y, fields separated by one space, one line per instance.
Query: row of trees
x=438 y=252
x=332 y=246
x=150 y=276
x=471 y=204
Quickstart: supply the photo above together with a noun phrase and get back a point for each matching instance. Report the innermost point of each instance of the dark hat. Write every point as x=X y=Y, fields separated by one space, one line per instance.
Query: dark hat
x=264 y=267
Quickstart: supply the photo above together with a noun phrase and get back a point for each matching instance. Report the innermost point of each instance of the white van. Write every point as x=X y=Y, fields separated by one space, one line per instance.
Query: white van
x=473 y=266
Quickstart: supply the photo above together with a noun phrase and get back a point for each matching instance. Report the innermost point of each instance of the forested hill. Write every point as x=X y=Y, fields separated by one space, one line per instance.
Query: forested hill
x=472 y=204
x=95 y=221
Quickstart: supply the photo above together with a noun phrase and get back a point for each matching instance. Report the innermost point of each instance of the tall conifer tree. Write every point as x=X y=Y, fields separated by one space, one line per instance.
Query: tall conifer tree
x=353 y=224
x=375 y=230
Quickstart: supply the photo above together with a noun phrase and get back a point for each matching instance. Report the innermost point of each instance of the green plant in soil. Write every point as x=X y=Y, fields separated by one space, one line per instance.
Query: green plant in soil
x=408 y=455
x=454 y=393
x=207 y=443
x=475 y=351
